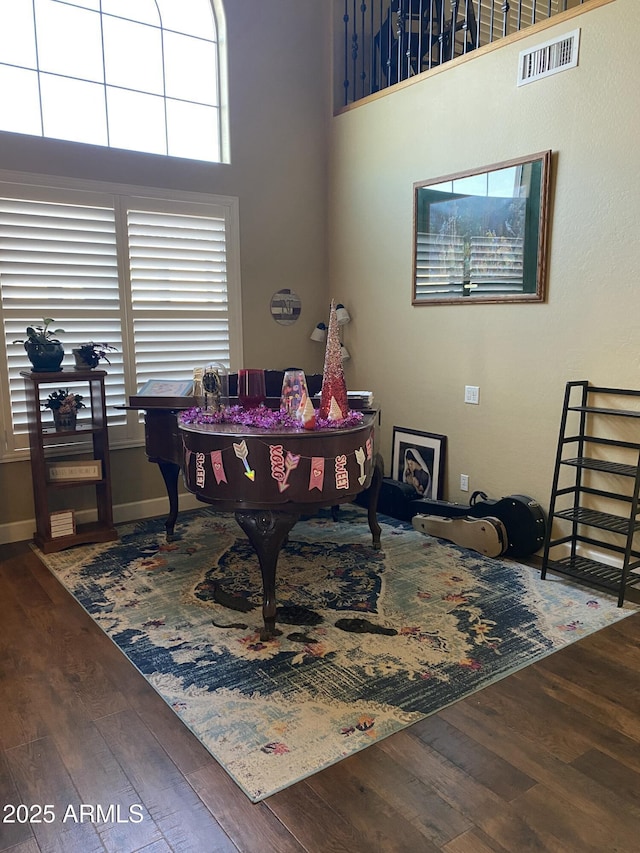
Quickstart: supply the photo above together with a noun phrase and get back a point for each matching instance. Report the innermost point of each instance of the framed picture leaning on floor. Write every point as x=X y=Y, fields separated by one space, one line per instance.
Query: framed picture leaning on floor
x=418 y=458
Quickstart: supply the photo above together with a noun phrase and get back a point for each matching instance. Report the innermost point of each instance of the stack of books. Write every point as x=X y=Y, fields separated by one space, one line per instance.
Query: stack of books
x=358 y=400
x=63 y=523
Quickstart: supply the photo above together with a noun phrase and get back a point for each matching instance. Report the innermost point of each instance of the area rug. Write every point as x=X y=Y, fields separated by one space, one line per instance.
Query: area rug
x=372 y=641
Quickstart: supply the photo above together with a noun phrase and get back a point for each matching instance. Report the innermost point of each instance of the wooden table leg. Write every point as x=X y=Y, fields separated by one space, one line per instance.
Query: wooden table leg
x=267 y=530
x=170 y=472
x=374 y=494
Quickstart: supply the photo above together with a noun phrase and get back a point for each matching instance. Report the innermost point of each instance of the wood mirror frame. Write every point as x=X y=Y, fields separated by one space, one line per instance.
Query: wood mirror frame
x=481 y=235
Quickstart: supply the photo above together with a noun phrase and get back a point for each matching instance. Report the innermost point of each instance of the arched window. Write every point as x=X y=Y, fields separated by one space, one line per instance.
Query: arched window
x=145 y=76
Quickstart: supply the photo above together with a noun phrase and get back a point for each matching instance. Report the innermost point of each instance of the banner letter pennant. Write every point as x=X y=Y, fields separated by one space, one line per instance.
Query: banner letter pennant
x=218 y=467
x=360 y=459
x=290 y=464
x=200 y=475
x=276 y=458
x=242 y=452
x=316 y=477
x=342 y=475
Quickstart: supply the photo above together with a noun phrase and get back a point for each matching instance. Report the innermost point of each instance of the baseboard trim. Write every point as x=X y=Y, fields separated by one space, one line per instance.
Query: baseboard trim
x=21 y=531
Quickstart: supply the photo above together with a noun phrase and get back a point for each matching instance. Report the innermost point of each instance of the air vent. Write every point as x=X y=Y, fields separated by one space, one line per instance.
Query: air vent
x=549 y=58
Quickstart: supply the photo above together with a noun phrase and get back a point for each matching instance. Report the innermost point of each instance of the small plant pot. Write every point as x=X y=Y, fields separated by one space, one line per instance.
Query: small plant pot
x=65 y=422
x=83 y=363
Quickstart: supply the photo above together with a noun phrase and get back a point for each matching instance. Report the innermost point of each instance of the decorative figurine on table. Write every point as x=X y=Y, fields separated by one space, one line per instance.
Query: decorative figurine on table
x=294 y=392
x=295 y=400
x=215 y=381
x=334 y=401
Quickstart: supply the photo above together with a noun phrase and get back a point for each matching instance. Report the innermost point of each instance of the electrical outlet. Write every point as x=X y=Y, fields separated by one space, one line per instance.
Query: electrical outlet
x=464 y=482
x=472 y=394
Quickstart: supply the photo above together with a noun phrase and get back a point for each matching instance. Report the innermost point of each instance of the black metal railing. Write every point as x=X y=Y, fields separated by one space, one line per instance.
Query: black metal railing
x=386 y=41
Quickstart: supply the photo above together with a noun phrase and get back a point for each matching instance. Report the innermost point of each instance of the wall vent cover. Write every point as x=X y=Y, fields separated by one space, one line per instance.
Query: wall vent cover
x=549 y=58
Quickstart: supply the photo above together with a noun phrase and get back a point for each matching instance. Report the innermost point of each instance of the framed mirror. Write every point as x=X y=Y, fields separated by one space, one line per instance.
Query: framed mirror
x=481 y=236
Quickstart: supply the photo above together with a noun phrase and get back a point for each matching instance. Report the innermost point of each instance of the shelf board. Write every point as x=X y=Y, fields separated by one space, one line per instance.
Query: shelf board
x=79 y=431
x=603 y=520
x=602 y=465
x=85 y=481
x=597 y=410
x=591 y=572
x=85 y=533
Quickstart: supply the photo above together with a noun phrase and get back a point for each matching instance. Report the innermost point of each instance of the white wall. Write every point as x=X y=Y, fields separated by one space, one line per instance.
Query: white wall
x=418 y=359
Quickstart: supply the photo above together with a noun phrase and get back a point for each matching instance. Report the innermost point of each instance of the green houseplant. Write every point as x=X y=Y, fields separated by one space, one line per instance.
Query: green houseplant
x=88 y=355
x=43 y=348
x=64 y=405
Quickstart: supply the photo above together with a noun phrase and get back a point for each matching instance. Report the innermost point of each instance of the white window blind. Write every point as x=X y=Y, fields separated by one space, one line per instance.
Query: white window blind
x=179 y=300
x=155 y=277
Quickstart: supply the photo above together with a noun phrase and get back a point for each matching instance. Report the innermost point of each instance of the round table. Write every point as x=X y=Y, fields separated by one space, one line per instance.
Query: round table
x=269 y=477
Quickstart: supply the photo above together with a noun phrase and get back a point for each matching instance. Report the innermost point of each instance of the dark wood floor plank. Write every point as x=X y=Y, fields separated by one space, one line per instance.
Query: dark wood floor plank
x=464 y=794
x=564 y=780
x=25 y=847
x=614 y=774
x=22 y=670
x=12 y=830
x=41 y=778
x=19 y=581
x=39 y=663
x=94 y=770
x=596 y=700
x=156 y=847
x=347 y=791
x=72 y=650
x=564 y=827
x=161 y=786
x=316 y=826
x=608 y=643
x=599 y=726
x=584 y=666
x=478 y=804
x=481 y=764
x=525 y=710
x=416 y=802
x=474 y=841
x=629 y=627
x=252 y=826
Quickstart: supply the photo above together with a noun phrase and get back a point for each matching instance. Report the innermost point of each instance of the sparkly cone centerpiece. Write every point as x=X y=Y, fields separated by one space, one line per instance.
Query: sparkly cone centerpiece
x=334 y=401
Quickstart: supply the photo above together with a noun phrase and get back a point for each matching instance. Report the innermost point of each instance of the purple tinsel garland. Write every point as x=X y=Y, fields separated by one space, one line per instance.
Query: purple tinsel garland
x=263 y=418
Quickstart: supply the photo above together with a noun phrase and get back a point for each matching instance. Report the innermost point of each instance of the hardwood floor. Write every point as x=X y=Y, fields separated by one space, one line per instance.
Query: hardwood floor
x=545 y=760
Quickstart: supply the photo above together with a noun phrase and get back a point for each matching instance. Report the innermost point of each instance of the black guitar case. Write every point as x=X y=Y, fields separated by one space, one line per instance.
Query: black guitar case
x=522 y=517
x=395 y=499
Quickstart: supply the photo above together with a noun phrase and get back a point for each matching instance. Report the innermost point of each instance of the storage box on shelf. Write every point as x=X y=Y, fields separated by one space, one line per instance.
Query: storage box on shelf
x=593 y=511
x=50 y=449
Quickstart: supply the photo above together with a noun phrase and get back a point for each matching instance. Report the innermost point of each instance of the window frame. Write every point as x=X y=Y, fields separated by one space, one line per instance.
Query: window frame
x=35 y=73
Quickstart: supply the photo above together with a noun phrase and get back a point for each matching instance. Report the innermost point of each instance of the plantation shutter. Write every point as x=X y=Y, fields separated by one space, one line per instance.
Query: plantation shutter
x=154 y=277
x=57 y=259
x=179 y=291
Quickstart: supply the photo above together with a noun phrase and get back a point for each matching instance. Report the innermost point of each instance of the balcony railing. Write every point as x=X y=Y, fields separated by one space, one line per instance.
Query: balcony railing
x=387 y=41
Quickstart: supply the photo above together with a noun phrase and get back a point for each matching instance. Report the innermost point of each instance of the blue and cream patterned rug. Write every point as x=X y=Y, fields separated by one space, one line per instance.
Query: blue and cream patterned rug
x=372 y=640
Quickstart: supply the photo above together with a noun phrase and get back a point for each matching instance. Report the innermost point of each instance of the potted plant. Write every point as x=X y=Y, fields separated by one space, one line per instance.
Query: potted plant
x=64 y=405
x=43 y=348
x=87 y=356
